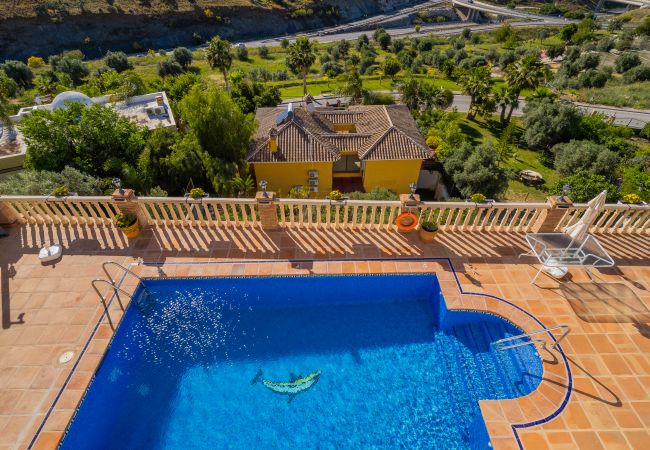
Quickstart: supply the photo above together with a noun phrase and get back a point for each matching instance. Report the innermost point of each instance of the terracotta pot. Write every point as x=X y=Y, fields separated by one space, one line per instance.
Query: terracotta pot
x=427 y=236
x=132 y=231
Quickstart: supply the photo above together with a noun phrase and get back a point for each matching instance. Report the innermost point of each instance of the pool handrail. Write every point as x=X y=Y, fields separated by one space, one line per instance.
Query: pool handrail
x=498 y=347
x=125 y=269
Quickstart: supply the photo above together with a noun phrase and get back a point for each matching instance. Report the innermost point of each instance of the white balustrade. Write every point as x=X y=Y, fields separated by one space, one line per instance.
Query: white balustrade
x=67 y=211
x=204 y=212
x=359 y=214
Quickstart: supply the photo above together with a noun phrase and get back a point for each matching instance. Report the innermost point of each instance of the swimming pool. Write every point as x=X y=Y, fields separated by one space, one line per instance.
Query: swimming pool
x=298 y=362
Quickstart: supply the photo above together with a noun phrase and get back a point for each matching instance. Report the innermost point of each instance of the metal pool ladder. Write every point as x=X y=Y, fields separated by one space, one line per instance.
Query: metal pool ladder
x=125 y=269
x=498 y=345
x=116 y=289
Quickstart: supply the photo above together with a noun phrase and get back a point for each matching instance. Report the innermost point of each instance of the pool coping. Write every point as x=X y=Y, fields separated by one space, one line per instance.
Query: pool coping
x=513 y=426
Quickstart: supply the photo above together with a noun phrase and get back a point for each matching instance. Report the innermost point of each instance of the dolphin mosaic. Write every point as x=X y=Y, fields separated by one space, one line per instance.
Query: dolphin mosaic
x=297 y=385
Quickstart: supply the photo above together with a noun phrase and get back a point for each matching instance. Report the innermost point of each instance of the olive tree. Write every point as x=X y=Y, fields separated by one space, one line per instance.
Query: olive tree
x=476 y=169
x=548 y=122
x=183 y=57
x=626 y=61
x=117 y=61
x=573 y=156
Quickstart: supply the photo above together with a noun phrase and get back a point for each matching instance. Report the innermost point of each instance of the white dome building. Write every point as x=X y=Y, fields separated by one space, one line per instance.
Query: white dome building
x=68 y=97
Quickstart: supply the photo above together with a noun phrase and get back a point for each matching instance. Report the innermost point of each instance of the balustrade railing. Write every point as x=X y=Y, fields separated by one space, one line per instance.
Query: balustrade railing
x=215 y=212
x=67 y=210
x=352 y=213
x=202 y=212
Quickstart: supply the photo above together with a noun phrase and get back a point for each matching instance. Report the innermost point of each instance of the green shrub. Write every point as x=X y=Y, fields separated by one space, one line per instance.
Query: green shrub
x=242 y=53
x=626 y=61
x=378 y=193
x=637 y=74
x=41 y=182
x=117 y=61
x=585 y=186
x=429 y=225
x=299 y=192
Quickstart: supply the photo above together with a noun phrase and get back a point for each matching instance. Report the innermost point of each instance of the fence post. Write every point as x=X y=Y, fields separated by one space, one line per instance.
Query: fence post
x=127 y=202
x=549 y=219
x=266 y=207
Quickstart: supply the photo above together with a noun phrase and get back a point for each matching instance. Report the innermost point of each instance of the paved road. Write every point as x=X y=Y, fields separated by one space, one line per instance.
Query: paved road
x=425 y=29
x=633 y=118
x=496 y=10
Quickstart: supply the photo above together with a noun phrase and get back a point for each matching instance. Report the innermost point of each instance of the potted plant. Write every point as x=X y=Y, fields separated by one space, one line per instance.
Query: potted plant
x=428 y=230
x=128 y=223
x=336 y=196
x=477 y=198
x=196 y=194
x=60 y=191
x=632 y=199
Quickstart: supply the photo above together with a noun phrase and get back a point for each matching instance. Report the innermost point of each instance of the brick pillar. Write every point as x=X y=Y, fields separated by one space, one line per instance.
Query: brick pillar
x=8 y=215
x=127 y=202
x=409 y=203
x=550 y=218
x=266 y=208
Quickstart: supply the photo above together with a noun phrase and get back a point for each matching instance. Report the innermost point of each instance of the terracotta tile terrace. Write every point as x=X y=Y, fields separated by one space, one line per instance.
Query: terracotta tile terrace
x=594 y=391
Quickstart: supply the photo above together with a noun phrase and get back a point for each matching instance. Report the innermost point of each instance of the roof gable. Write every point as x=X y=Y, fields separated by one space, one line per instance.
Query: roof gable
x=394 y=144
x=294 y=144
x=381 y=132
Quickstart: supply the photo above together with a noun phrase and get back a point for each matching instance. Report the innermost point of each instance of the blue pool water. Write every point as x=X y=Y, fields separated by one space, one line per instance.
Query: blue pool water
x=396 y=368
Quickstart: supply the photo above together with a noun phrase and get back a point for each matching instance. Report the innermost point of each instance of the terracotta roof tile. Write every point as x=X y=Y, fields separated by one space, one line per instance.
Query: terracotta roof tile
x=382 y=133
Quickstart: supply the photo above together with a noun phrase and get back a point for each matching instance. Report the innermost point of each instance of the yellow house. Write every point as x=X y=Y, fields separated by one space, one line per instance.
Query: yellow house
x=325 y=148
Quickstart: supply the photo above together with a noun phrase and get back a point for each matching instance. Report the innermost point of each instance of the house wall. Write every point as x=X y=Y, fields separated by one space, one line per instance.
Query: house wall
x=345 y=128
x=395 y=175
x=283 y=176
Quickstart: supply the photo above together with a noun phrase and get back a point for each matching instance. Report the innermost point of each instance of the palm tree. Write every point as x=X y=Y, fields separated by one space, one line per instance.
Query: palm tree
x=352 y=87
x=410 y=91
x=476 y=82
x=505 y=97
x=436 y=97
x=527 y=72
x=219 y=57
x=242 y=186
x=300 y=57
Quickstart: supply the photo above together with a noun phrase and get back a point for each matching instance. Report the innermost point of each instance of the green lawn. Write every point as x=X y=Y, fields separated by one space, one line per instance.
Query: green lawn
x=317 y=86
x=480 y=131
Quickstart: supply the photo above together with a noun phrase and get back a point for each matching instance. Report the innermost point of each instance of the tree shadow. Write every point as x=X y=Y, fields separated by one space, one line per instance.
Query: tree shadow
x=473 y=134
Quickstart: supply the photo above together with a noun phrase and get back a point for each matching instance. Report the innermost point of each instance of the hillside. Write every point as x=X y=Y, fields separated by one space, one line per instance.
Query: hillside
x=59 y=9
x=43 y=27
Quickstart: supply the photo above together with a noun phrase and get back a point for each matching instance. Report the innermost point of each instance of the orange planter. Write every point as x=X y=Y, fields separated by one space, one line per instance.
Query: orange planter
x=132 y=231
x=406 y=221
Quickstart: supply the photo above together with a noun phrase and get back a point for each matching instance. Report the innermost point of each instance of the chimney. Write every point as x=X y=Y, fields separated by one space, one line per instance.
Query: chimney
x=273 y=140
x=309 y=103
